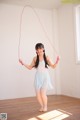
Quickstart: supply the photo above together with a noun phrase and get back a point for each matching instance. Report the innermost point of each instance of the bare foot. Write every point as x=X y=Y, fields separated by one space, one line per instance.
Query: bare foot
x=41 y=109
x=44 y=109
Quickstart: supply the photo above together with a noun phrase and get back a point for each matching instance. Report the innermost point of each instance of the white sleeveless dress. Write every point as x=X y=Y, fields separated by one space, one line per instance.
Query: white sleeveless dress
x=42 y=77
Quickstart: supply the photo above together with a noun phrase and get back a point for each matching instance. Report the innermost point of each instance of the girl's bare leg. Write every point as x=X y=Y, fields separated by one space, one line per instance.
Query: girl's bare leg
x=44 y=99
x=39 y=98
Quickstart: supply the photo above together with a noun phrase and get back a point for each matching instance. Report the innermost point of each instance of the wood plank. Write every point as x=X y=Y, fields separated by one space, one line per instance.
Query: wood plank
x=27 y=108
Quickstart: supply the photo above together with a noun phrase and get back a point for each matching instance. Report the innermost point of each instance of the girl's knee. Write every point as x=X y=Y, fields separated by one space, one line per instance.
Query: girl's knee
x=43 y=91
x=38 y=92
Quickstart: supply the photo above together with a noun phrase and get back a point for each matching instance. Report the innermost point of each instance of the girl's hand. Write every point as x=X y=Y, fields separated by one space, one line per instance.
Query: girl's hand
x=21 y=61
x=57 y=60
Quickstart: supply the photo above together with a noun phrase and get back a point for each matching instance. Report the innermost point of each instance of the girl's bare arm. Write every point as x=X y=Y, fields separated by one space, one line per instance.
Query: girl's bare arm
x=51 y=64
x=28 y=66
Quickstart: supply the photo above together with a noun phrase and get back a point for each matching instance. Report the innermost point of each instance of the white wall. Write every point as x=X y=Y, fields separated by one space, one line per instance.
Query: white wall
x=15 y=80
x=69 y=70
x=56 y=49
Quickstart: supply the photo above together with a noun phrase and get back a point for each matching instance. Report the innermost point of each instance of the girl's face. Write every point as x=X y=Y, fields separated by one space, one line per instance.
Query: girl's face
x=39 y=51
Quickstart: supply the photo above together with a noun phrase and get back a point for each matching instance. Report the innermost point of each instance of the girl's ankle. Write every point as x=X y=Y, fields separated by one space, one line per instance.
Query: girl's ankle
x=45 y=108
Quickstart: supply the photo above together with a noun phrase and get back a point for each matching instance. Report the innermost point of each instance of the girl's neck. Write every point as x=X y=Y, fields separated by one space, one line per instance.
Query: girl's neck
x=41 y=57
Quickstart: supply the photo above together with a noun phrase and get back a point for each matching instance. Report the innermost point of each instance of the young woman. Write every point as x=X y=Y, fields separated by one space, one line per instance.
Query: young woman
x=42 y=79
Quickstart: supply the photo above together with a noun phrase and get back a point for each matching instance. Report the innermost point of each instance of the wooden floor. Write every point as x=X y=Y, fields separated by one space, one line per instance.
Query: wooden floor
x=59 y=108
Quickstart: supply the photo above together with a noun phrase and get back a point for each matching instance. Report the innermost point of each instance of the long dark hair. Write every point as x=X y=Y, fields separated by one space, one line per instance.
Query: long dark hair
x=39 y=46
